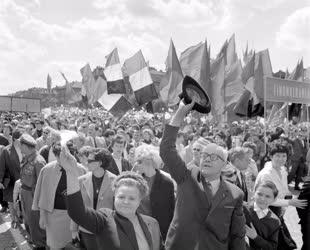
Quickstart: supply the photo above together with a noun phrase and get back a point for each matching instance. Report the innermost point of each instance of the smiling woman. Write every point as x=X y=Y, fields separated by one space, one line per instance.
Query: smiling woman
x=117 y=229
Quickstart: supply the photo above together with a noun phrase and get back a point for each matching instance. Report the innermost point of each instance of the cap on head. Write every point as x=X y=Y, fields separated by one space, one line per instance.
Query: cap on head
x=28 y=140
x=213 y=148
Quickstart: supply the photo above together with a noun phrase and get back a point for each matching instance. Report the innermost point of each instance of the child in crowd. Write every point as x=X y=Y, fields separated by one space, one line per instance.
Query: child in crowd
x=263 y=225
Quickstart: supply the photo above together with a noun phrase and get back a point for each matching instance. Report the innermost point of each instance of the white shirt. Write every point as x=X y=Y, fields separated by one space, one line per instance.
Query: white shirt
x=270 y=174
x=215 y=184
x=118 y=164
x=261 y=213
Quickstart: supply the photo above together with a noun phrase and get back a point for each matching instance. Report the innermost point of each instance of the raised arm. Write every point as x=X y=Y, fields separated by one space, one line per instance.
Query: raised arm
x=88 y=218
x=168 y=151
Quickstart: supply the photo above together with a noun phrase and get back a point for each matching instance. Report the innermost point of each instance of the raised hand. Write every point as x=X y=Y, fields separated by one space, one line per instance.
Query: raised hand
x=298 y=203
x=250 y=231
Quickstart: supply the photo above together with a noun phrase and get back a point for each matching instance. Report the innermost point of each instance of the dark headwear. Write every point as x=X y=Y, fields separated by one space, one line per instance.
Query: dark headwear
x=190 y=89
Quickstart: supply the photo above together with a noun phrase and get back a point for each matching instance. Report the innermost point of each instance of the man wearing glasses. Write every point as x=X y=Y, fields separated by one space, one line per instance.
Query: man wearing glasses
x=208 y=212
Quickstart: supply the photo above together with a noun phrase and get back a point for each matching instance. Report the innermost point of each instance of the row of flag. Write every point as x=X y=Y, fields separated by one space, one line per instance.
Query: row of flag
x=232 y=88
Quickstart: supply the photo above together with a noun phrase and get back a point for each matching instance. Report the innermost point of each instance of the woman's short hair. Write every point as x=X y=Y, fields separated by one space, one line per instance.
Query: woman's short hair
x=268 y=184
x=118 y=138
x=278 y=148
x=250 y=145
x=149 y=152
x=132 y=179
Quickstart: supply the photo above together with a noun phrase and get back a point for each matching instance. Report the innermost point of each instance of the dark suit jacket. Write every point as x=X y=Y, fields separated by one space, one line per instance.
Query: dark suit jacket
x=242 y=185
x=162 y=201
x=114 y=169
x=113 y=231
x=9 y=170
x=304 y=215
x=267 y=229
x=201 y=222
x=4 y=141
x=299 y=151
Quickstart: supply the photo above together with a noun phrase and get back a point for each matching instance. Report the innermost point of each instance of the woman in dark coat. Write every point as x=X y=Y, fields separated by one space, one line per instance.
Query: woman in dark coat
x=119 y=229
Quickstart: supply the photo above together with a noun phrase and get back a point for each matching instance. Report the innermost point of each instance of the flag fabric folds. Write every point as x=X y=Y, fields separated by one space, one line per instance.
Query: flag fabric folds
x=171 y=83
x=140 y=78
x=71 y=95
x=195 y=62
x=114 y=75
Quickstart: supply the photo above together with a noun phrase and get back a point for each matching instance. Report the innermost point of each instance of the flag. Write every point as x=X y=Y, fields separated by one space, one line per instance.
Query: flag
x=99 y=87
x=71 y=95
x=140 y=78
x=297 y=75
x=195 y=62
x=223 y=52
x=273 y=111
x=266 y=63
x=248 y=69
x=242 y=106
x=259 y=79
x=216 y=88
x=171 y=84
x=233 y=86
x=49 y=83
x=231 y=56
x=114 y=75
x=88 y=82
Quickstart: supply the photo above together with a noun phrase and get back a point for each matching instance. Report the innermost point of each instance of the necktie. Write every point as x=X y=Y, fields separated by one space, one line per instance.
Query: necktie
x=207 y=187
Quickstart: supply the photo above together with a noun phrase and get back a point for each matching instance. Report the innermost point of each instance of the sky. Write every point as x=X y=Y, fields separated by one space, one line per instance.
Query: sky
x=40 y=37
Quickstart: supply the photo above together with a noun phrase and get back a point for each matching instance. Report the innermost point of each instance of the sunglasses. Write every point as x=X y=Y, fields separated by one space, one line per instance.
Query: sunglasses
x=211 y=157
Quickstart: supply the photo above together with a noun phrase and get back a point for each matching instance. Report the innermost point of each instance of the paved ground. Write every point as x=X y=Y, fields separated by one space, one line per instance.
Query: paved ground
x=11 y=239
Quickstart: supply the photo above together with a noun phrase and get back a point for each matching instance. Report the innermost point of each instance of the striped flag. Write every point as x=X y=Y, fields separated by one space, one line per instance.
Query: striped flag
x=114 y=75
x=171 y=83
x=140 y=78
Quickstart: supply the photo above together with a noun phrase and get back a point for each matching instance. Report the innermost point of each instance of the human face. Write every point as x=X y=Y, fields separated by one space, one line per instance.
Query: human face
x=127 y=200
x=118 y=148
x=211 y=165
x=243 y=163
x=92 y=165
x=197 y=151
x=278 y=160
x=145 y=166
x=230 y=177
x=91 y=131
x=45 y=134
x=263 y=197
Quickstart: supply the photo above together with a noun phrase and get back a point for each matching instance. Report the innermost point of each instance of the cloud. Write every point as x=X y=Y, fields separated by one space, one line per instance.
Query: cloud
x=294 y=33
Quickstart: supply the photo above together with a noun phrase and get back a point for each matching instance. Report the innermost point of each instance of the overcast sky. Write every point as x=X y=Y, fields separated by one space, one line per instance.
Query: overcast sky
x=38 y=37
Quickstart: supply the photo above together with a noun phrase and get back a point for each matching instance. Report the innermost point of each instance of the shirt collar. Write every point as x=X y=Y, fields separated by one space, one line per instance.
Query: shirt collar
x=261 y=213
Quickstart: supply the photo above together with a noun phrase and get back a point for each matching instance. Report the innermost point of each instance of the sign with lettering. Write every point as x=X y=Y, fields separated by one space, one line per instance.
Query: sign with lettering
x=283 y=90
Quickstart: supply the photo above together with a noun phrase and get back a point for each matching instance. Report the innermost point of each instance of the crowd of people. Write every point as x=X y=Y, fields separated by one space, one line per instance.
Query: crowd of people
x=171 y=181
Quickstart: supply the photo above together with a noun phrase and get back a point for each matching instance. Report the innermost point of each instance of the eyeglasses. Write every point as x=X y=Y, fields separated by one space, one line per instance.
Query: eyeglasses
x=197 y=149
x=211 y=157
x=91 y=160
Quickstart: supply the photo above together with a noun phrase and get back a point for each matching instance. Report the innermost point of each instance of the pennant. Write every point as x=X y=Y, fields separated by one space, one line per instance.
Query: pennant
x=114 y=75
x=140 y=78
x=171 y=84
x=195 y=62
x=266 y=63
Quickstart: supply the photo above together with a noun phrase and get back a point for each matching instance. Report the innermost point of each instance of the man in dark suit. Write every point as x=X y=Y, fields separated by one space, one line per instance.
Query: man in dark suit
x=298 y=160
x=159 y=204
x=208 y=212
x=10 y=159
x=118 y=164
x=304 y=214
x=240 y=159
